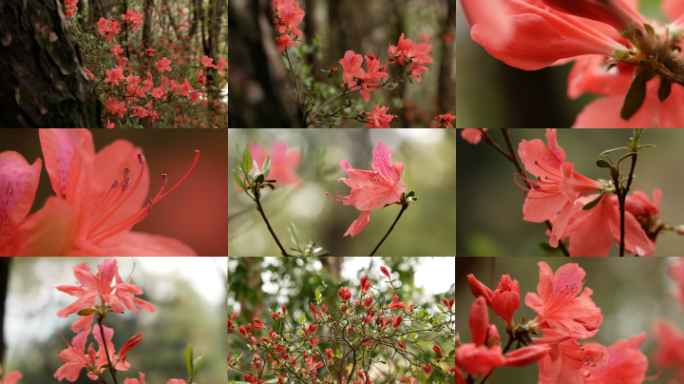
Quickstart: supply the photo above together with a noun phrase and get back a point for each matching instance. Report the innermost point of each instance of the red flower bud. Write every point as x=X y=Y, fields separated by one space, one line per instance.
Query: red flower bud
x=368 y=302
x=437 y=350
x=396 y=323
x=402 y=345
x=478 y=289
x=313 y=309
x=243 y=331
x=385 y=272
x=365 y=283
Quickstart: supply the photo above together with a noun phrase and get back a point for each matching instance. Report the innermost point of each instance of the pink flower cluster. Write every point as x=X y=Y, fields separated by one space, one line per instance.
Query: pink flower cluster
x=286 y=17
x=566 y=314
x=559 y=196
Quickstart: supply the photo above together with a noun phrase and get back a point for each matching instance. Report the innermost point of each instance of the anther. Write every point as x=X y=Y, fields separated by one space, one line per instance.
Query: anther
x=126 y=170
x=165 y=179
x=115 y=184
x=149 y=205
x=125 y=184
x=141 y=159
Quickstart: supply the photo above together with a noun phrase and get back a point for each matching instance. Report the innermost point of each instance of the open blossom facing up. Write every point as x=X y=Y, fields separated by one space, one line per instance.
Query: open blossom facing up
x=372 y=189
x=445 y=120
x=561 y=303
x=626 y=363
x=105 y=289
x=378 y=118
x=95 y=207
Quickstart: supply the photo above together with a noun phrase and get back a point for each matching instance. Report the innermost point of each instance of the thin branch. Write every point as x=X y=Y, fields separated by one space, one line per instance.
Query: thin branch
x=104 y=342
x=622 y=198
x=268 y=224
x=404 y=206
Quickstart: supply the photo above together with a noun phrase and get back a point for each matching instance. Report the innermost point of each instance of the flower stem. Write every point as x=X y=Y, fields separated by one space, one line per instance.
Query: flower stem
x=513 y=158
x=100 y=319
x=404 y=206
x=621 y=198
x=268 y=224
x=299 y=101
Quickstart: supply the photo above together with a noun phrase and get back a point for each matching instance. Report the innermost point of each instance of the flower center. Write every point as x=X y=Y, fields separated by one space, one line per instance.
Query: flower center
x=116 y=197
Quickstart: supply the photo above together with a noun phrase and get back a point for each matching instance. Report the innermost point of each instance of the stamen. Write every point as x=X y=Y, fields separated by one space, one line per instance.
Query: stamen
x=141 y=159
x=157 y=199
x=126 y=170
x=126 y=182
x=554 y=172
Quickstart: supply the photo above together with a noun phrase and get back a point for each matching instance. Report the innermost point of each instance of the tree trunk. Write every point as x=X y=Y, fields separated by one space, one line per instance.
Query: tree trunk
x=147 y=24
x=447 y=76
x=42 y=82
x=310 y=30
x=256 y=75
x=4 y=282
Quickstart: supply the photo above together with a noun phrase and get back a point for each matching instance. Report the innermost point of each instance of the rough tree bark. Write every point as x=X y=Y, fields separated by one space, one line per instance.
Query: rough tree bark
x=310 y=30
x=147 y=25
x=42 y=82
x=446 y=91
x=256 y=75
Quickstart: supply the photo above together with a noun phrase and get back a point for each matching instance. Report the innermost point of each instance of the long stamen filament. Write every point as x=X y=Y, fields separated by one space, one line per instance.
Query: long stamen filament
x=106 y=217
x=158 y=198
x=122 y=225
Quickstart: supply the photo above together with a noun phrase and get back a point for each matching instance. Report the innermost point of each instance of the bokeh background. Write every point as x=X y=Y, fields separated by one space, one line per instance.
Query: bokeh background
x=489 y=203
x=188 y=293
x=195 y=213
x=428 y=157
x=259 y=286
x=631 y=293
x=489 y=93
x=261 y=85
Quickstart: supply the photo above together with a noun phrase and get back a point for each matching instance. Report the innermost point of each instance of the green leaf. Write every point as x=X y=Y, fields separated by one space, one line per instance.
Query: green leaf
x=318 y=296
x=664 y=89
x=86 y=312
x=237 y=154
x=188 y=359
x=603 y=164
x=259 y=178
x=302 y=319
x=410 y=194
x=197 y=366
x=238 y=180
x=270 y=186
x=266 y=167
x=246 y=160
x=608 y=151
x=636 y=94
x=325 y=254
x=592 y=203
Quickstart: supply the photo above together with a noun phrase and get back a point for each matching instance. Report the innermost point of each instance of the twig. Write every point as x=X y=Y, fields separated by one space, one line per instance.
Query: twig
x=263 y=215
x=104 y=342
x=404 y=206
x=621 y=199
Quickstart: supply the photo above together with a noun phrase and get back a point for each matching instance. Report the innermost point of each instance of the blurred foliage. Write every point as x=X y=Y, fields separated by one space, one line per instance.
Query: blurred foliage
x=491 y=94
x=428 y=157
x=259 y=286
x=489 y=203
x=194 y=213
x=631 y=293
x=182 y=316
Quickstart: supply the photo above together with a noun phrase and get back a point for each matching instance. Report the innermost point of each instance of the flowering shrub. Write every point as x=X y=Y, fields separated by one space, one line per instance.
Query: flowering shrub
x=130 y=76
x=635 y=62
x=590 y=213
x=99 y=198
x=566 y=314
x=364 y=340
x=98 y=295
x=411 y=58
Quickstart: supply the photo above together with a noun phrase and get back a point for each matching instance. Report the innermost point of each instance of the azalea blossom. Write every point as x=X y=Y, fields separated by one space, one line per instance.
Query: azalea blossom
x=626 y=363
x=133 y=17
x=505 y=300
x=472 y=135
x=102 y=292
x=75 y=359
x=287 y=16
x=592 y=231
x=95 y=207
x=351 y=64
x=378 y=117
x=284 y=42
x=117 y=108
x=163 y=65
x=372 y=189
x=558 y=185
x=568 y=362
x=669 y=353
x=284 y=162
x=561 y=304
x=445 y=120
x=485 y=353
x=18 y=185
x=11 y=377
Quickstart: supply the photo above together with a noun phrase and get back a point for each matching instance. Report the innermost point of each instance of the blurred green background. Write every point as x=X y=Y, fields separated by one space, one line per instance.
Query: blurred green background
x=188 y=294
x=489 y=203
x=631 y=293
x=195 y=213
x=259 y=286
x=428 y=157
x=489 y=93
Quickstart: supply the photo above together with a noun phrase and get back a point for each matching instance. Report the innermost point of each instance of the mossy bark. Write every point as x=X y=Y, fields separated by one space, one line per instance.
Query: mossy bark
x=42 y=82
